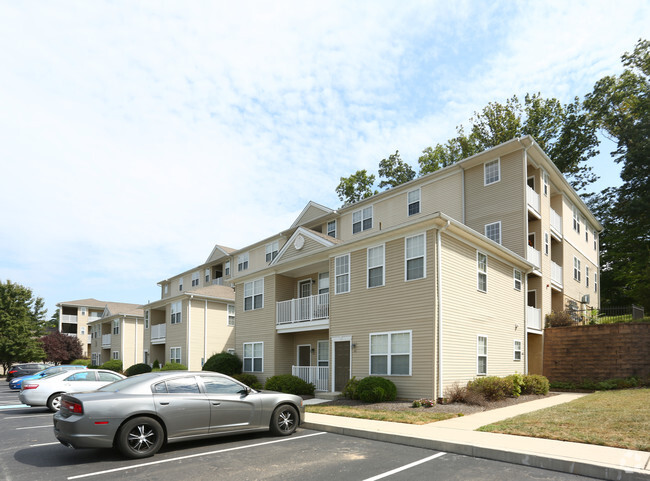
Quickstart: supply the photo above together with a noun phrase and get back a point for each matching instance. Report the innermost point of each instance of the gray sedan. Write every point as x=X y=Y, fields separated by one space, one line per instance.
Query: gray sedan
x=139 y=414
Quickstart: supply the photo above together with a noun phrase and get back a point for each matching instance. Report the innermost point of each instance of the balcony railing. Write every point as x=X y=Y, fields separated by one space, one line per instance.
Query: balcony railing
x=534 y=317
x=218 y=281
x=106 y=340
x=69 y=318
x=556 y=223
x=304 y=309
x=532 y=198
x=158 y=333
x=317 y=375
x=556 y=274
x=533 y=256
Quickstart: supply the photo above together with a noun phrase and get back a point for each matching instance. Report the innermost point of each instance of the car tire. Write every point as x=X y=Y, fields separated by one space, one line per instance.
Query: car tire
x=284 y=420
x=54 y=402
x=140 y=438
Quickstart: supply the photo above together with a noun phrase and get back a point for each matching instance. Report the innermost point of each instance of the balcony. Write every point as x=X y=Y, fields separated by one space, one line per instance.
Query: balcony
x=218 y=281
x=533 y=256
x=317 y=375
x=556 y=225
x=534 y=318
x=556 y=276
x=106 y=341
x=303 y=314
x=532 y=199
x=158 y=333
x=68 y=319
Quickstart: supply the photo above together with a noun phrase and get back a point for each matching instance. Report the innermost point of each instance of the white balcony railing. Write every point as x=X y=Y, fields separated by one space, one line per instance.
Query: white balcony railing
x=532 y=198
x=218 y=281
x=534 y=317
x=106 y=340
x=556 y=223
x=69 y=318
x=533 y=256
x=556 y=274
x=304 y=309
x=158 y=333
x=317 y=375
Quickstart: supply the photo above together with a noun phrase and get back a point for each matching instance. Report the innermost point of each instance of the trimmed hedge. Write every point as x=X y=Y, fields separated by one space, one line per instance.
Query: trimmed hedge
x=113 y=365
x=350 y=389
x=249 y=379
x=140 y=368
x=174 y=366
x=373 y=389
x=535 y=384
x=289 y=384
x=224 y=362
x=81 y=362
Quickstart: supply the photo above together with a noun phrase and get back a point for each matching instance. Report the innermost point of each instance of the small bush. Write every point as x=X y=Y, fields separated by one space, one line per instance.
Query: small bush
x=249 y=379
x=224 y=362
x=93 y=366
x=81 y=362
x=455 y=393
x=113 y=365
x=137 y=369
x=350 y=389
x=373 y=389
x=516 y=381
x=559 y=319
x=156 y=365
x=426 y=403
x=289 y=384
x=535 y=384
x=491 y=387
x=174 y=366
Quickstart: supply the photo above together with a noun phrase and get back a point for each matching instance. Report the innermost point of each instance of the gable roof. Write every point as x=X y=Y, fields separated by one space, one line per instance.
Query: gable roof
x=219 y=252
x=294 y=243
x=311 y=211
x=222 y=292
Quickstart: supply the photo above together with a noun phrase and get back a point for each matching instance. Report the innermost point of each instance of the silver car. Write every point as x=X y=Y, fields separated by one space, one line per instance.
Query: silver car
x=47 y=390
x=139 y=414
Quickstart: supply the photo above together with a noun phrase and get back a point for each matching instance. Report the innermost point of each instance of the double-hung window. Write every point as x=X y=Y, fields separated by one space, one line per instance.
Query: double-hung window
x=207 y=276
x=146 y=319
x=254 y=295
x=481 y=271
x=547 y=247
x=595 y=282
x=195 y=279
x=175 y=354
x=481 y=355
x=116 y=354
x=517 y=278
x=517 y=351
x=595 y=241
x=180 y=284
x=116 y=326
x=576 y=219
x=342 y=274
x=362 y=220
x=413 y=201
x=415 y=255
x=271 y=251
x=242 y=262
x=226 y=268
x=492 y=172
x=376 y=266
x=253 y=357
x=331 y=228
x=176 y=309
x=545 y=182
x=231 y=314
x=576 y=269
x=493 y=231
x=390 y=353
x=586 y=276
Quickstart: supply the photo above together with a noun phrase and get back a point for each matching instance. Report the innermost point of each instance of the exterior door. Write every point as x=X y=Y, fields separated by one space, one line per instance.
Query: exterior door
x=341 y=364
x=304 y=288
x=304 y=355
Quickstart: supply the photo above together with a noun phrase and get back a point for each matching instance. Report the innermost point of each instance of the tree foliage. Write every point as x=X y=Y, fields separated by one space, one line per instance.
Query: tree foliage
x=61 y=349
x=356 y=187
x=620 y=105
x=394 y=171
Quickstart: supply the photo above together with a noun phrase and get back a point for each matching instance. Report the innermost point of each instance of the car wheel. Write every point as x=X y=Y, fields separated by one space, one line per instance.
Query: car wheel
x=284 y=420
x=54 y=402
x=140 y=437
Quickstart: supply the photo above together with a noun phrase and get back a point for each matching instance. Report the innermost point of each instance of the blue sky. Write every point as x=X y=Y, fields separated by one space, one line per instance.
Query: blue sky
x=136 y=135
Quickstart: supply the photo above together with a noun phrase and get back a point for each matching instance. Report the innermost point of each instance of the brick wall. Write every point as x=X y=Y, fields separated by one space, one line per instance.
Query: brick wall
x=598 y=352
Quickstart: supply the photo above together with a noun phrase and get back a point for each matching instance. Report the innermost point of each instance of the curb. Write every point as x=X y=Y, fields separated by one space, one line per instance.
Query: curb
x=525 y=459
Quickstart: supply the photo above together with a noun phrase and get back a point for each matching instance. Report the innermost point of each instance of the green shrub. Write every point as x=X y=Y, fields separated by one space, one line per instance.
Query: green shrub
x=93 y=366
x=224 y=362
x=289 y=384
x=516 y=381
x=559 y=319
x=156 y=365
x=113 y=365
x=81 y=362
x=535 y=384
x=249 y=379
x=492 y=388
x=137 y=369
x=424 y=403
x=174 y=366
x=350 y=389
x=374 y=389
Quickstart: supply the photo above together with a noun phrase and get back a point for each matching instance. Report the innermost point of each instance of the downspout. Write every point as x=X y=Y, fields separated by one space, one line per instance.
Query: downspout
x=439 y=296
x=526 y=255
x=526 y=325
x=205 y=332
x=122 y=353
x=135 y=346
x=189 y=321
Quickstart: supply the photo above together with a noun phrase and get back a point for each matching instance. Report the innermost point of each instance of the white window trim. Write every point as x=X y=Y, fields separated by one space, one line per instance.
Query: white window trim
x=577 y=267
x=547 y=244
x=196 y=276
x=180 y=284
x=254 y=294
x=115 y=355
x=479 y=272
x=231 y=317
x=242 y=262
x=424 y=257
x=515 y=280
x=389 y=353
x=330 y=232
x=348 y=274
x=586 y=276
x=226 y=268
x=176 y=312
x=116 y=327
x=576 y=219
x=146 y=319
x=271 y=251
x=207 y=276
x=361 y=213
x=479 y=355
x=516 y=348
x=252 y=358
x=545 y=187
x=178 y=359
x=418 y=201
x=382 y=265
x=485 y=231
x=485 y=167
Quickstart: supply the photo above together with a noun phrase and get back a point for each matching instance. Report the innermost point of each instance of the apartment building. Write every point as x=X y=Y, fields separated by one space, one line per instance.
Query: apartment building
x=195 y=317
x=436 y=281
x=74 y=317
x=117 y=334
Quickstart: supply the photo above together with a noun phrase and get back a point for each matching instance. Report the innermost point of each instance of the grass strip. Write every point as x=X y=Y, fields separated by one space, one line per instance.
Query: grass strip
x=408 y=417
x=619 y=419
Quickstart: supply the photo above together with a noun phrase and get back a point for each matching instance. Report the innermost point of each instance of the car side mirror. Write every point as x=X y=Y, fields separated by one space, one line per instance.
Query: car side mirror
x=246 y=391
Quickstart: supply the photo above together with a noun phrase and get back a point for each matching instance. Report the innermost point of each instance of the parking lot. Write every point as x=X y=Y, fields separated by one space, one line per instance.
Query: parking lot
x=29 y=451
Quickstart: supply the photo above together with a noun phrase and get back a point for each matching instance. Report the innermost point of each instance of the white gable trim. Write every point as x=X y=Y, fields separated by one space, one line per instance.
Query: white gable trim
x=325 y=210
x=300 y=231
x=216 y=249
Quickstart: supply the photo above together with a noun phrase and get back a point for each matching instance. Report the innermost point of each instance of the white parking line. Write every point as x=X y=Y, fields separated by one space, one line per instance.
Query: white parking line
x=35 y=427
x=42 y=444
x=403 y=468
x=193 y=456
x=28 y=416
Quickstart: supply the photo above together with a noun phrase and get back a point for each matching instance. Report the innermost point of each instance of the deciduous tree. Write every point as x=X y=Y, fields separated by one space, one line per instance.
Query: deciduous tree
x=61 y=349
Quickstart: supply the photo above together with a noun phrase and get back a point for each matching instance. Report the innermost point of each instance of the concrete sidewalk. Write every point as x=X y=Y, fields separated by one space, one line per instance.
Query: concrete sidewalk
x=458 y=436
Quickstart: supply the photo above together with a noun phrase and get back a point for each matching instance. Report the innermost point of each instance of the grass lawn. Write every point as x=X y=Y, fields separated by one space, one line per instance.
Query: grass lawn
x=412 y=417
x=609 y=418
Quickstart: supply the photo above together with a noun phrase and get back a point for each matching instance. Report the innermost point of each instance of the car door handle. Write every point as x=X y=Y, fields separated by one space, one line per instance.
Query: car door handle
x=216 y=404
x=164 y=403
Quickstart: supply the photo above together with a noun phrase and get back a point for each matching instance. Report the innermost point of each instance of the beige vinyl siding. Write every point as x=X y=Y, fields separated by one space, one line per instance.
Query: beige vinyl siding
x=312 y=213
x=176 y=335
x=133 y=341
x=468 y=313
x=396 y=306
x=214 y=329
x=310 y=246
x=503 y=201
x=574 y=290
x=444 y=195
